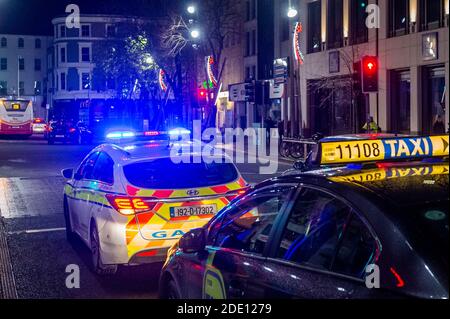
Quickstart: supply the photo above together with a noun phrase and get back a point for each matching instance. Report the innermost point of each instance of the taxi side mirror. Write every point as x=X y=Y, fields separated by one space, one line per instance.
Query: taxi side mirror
x=193 y=241
x=67 y=173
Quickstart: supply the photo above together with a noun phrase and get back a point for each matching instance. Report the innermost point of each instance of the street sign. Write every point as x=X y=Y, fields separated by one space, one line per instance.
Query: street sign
x=276 y=90
x=280 y=70
x=237 y=92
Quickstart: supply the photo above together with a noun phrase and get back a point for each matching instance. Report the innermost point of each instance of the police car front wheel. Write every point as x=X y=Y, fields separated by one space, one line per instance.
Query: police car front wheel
x=71 y=237
x=97 y=265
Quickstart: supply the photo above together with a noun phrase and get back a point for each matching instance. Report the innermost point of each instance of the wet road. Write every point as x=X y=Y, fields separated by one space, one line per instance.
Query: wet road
x=33 y=223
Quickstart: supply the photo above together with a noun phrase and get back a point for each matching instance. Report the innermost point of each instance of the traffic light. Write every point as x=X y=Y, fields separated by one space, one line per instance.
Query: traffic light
x=201 y=96
x=357 y=76
x=250 y=92
x=369 y=74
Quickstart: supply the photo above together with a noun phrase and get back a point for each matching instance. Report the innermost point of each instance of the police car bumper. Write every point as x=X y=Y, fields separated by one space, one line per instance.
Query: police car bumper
x=114 y=248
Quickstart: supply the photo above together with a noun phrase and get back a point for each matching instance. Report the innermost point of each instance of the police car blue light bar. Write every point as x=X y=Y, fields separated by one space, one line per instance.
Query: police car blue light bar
x=120 y=135
x=179 y=131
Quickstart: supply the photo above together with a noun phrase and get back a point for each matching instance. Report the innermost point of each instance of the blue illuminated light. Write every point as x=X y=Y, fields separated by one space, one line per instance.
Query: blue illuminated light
x=179 y=131
x=119 y=135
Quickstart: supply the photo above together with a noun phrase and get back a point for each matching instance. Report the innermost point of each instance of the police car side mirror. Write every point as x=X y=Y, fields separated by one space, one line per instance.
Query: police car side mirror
x=67 y=173
x=193 y=241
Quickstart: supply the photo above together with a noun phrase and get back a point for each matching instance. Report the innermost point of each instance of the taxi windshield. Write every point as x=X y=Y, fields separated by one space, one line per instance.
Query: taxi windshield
x=165 y=174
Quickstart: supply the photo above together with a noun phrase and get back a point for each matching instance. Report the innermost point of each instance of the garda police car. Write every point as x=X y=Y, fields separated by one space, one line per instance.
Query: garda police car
x=365 y=216
x=130 y=203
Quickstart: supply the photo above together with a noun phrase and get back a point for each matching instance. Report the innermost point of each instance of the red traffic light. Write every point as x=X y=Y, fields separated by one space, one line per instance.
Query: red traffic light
x=370 y=64
x=369 y=74
x=202 y=93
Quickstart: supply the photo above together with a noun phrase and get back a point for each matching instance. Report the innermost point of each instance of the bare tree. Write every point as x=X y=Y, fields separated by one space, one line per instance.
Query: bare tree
x=217 y=20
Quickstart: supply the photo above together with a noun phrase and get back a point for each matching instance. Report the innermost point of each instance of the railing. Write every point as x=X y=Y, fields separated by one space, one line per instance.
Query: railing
x=296 y=148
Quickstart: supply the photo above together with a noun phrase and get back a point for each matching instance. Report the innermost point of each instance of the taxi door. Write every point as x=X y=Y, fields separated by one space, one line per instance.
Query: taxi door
x=83 y=192
x=321 y=251
x=236 y=243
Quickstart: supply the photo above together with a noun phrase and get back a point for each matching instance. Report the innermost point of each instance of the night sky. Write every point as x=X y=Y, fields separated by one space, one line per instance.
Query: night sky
x=34 y=16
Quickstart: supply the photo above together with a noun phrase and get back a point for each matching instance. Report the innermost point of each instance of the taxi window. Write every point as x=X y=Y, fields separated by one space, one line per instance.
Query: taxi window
x=248 y=226
x=104 y=169
x=324 y=233
x=165 y=174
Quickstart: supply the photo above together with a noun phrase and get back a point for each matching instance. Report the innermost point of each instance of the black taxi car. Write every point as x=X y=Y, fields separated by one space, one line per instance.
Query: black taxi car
x=365 y=217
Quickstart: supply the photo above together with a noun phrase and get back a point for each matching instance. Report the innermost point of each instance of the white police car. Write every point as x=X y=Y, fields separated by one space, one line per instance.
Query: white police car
x=130 y=203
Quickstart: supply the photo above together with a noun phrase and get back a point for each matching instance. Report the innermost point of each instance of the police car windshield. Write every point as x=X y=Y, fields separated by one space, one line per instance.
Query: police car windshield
x=165 y=174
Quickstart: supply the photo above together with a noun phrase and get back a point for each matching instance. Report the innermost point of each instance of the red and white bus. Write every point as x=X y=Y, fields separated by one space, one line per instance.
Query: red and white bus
x=16 y=117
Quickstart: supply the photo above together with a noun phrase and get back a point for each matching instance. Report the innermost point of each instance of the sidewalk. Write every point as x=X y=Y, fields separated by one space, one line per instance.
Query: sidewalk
x=7 y=284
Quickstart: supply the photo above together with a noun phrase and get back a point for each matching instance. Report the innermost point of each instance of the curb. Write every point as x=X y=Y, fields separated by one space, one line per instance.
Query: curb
x=7 y=283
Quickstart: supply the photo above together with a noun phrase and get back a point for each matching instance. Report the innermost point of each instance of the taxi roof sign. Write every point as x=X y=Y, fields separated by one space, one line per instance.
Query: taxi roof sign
x=380 y=149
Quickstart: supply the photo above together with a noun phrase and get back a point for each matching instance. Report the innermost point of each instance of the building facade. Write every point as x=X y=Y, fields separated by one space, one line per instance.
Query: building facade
x=76 y=92
x=23 y=69
x=410 y=40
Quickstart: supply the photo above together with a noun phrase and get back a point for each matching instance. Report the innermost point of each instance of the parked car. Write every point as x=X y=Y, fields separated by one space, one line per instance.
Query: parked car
x=66 y=132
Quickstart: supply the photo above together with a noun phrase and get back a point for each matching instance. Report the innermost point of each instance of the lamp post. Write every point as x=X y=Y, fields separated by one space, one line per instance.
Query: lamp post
x=18 y=75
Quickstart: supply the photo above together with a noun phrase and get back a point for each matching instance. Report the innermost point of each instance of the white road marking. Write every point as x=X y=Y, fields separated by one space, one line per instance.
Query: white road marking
x=36 y=231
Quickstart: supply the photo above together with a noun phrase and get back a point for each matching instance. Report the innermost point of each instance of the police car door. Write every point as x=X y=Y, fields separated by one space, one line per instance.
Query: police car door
x=322 y=251
x=83 y=194
x=237 y=243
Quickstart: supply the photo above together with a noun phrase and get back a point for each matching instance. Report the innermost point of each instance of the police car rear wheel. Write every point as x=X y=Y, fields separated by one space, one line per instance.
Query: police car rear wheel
x=97 y=264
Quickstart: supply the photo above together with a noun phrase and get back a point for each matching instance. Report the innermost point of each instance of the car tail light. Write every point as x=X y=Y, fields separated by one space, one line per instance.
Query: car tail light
x=130 y=205
x=72 y=130
x=233 y=194
x=152 y=133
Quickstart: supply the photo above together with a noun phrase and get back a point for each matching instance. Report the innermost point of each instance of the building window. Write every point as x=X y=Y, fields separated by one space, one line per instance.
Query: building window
x=21 y=64
x=253 y=17
x=247 y=44
x=358 y=29
x=434 y=120
x=62 y=83
x=398 y=17
x=335 y=24
x=3 y=64
x=37 y=87
x=37 y=64
x=21 y=43
x=85 y=54
x=314 y=27
x=37 y=43
x=401 y=102
x=285 y=24
x=85 y=81
x=110 y=31
x=22 y=88
x=63 y=55
x=3 y=88
x=254 y=42
x=111 y=84
x=431 y=14
x=62 y=31
x=85 y=30
x=248 y=9
x=4 y=42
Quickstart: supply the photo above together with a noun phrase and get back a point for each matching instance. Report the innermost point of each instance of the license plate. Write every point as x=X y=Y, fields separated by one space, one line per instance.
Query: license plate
x=186 y=211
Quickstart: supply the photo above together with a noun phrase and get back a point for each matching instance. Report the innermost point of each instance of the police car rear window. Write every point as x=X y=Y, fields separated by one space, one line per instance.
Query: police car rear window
x=165 y=174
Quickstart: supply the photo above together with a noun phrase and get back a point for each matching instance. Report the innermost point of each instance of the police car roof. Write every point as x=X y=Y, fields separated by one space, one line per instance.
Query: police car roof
x=136 y=151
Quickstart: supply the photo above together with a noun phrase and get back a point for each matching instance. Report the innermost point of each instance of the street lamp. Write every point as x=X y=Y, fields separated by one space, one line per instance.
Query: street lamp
x=191 y=9
x=292 y=12
x=195 y=33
